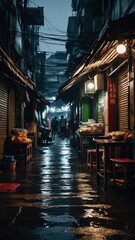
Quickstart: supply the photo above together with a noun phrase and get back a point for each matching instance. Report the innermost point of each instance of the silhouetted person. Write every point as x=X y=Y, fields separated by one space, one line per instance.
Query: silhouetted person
x=62 y=124
x=72 y=129
x=54 y=126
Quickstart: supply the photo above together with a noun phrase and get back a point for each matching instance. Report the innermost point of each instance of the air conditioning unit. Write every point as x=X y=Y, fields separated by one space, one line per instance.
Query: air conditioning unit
x=99 y=82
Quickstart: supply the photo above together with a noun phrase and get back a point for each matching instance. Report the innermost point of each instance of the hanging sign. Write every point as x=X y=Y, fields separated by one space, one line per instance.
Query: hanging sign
x=112 y=104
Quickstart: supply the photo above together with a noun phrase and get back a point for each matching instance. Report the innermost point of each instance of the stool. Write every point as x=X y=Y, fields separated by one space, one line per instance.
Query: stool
x=90 y=157
x=127 y=164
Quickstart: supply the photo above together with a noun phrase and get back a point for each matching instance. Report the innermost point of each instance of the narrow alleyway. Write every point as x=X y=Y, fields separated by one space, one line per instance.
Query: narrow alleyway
x=58 y=200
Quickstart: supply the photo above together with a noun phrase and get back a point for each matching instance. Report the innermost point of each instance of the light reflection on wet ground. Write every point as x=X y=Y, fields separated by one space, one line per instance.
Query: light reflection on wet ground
x=58 y=199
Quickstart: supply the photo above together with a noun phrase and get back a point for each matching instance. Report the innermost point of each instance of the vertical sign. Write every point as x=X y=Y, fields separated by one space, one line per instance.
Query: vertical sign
x=112 y=104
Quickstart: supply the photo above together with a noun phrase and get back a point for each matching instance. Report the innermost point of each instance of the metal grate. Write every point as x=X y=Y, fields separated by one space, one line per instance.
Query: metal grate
x=3 y=114
x=123 y=92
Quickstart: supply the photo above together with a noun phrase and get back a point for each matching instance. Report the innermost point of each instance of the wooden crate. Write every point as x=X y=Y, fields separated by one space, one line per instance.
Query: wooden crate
x=21 y=151
x=32 y=133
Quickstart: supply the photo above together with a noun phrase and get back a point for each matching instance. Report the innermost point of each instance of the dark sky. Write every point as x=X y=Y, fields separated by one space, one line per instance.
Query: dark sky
x=56 y=13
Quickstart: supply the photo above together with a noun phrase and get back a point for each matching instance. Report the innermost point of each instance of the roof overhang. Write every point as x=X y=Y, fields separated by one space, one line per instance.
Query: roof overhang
x=103 y=52
x=12 y=71
x=41 y=99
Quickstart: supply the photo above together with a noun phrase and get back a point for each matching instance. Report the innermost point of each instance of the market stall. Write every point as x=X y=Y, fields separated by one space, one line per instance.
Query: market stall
x=19 y=145
x=85 y=134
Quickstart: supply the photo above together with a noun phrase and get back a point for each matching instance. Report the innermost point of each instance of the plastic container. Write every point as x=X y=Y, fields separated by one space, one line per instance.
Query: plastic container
x=9 y=158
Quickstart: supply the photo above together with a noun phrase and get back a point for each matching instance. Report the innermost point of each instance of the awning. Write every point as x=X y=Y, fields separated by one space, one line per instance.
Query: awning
x=21 y=77
x=103 y=52
x=18 y=76
x=42 y=99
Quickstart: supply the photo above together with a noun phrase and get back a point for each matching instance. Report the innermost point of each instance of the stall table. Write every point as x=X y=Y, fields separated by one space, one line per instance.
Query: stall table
x=21 y=151
x=86 y=141
x=109 y=145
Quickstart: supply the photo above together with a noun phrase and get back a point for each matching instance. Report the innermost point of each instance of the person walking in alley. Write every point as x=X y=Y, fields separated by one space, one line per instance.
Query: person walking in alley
x=72 y=129
x=54 y=126
x=62 y=127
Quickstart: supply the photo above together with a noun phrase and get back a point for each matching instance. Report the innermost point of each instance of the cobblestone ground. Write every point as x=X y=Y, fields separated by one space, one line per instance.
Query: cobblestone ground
x=58 y=200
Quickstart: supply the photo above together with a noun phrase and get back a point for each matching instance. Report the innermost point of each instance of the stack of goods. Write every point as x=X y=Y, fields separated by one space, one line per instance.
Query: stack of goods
x=121 y=135
x=128 y=136
x=91 y=128
x=19 y=135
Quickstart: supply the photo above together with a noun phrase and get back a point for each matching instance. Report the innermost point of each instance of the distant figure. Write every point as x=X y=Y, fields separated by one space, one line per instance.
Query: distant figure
x=72 y=129
x=54 y=126
x=62 y=124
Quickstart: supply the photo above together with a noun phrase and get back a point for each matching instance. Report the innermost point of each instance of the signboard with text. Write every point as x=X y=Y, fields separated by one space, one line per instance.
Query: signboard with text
x=112 y=104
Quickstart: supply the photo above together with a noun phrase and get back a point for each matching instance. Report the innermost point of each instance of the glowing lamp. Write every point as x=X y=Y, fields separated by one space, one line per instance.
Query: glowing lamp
x=89 y=86
x=121 y=48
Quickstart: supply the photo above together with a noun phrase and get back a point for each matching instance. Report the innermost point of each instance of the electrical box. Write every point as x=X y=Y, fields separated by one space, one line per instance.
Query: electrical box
x=99 y=82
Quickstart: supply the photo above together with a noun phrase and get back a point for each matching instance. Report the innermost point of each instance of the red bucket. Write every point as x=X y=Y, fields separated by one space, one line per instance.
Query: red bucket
x=11 y=165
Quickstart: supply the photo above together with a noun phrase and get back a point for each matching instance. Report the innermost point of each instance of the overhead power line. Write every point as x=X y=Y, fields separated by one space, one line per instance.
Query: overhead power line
x=47 y=21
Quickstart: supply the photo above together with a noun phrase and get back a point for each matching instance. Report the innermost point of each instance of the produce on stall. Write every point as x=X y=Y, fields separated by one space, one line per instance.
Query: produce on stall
x=121 y=135
x=85 y=134
x=91 y=128
x=19 y=145
x=19 y=135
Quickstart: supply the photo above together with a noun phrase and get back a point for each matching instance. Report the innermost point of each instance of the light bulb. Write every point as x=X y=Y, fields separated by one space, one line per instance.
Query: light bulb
x=90 y=85
x=121 y=48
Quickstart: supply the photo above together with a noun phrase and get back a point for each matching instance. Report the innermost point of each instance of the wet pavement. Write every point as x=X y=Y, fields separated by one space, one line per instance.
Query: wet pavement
x=58 y=199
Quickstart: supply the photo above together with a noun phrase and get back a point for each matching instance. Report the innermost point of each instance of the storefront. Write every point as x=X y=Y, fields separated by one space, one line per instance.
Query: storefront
x=117 y=98
x=15 y=89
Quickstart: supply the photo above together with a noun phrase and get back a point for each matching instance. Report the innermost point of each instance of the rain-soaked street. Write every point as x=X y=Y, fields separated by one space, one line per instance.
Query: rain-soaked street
x=58 y=199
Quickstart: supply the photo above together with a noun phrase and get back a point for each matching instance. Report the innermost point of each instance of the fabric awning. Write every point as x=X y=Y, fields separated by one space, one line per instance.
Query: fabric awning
x=103 y=52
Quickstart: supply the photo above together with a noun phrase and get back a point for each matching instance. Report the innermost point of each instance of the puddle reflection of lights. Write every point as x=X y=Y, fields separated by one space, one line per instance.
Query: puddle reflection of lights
x=46 y=171
x=65 y=151
x=93 y=212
